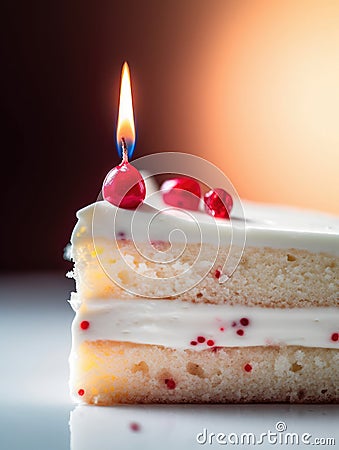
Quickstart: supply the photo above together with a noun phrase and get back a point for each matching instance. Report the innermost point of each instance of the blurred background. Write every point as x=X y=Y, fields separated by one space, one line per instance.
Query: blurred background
x=251 y=85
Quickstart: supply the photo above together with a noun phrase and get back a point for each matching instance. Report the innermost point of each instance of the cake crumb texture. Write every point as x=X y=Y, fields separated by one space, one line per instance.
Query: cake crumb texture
x=267 y=277
x=107 y=373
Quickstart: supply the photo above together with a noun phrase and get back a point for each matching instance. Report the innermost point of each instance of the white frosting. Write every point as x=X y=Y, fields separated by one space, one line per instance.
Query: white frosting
x=176 y=324
x=265 y=225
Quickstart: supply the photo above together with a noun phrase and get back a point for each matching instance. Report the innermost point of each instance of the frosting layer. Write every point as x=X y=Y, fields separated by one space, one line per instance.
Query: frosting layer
x=260 y=225
x=183 y=325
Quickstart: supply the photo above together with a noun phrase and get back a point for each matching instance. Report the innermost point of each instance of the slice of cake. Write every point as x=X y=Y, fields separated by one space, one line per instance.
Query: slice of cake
x=172 y=307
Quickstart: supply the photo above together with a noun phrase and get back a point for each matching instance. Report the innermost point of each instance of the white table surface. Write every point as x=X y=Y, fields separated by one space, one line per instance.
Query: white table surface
x=36 y=410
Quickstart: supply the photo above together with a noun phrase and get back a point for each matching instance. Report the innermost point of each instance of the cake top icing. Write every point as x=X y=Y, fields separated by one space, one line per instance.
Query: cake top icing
x=254 y=223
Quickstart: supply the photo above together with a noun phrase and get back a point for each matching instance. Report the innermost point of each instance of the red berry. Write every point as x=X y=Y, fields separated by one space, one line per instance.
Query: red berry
x=84 y=325
x=240 y=332
x=218 y=203
x=194 y=343
x=124 y=186
x=244 y=321
x=335 y=337
x=210 y=343
x=81 y=392
x=222 y=329
x=181 y=192
x=247 y=367
x=170 y=383
x=201 y=339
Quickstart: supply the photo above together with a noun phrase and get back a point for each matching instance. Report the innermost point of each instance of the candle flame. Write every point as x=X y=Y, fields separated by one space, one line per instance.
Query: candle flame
x=125 y=128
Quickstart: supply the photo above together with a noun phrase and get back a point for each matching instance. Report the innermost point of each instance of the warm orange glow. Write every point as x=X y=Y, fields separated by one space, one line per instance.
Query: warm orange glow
x=125 y=128
x=274 y=97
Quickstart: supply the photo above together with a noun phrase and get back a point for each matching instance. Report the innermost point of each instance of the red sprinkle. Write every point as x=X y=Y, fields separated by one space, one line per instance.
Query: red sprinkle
x=201 y=339
x=81 y=392
x=134 y=426
x=244 y=321
x=222 y=329
x=170 y=383
x=193 y=342
x=240 y=332
x=335 y=337
x=210 y=343
x=217 y=273
x=122 y=236
x=215 y=349
x=234 y=324
x=84 y=325
x=247 y=367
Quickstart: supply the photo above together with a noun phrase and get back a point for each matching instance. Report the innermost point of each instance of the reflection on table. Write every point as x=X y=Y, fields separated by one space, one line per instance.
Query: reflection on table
x=194 y=426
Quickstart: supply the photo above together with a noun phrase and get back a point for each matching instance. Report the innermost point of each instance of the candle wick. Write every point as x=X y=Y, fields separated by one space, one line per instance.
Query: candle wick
x=124 y=150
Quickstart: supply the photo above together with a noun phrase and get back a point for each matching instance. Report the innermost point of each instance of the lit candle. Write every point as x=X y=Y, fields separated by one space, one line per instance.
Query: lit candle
x=126 y=128
x=124 y=185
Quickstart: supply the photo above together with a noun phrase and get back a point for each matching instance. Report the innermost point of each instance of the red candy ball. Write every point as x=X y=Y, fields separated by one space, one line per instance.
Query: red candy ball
x=124 y=186
x=218 y=203
x=181 y=192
